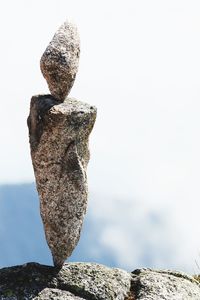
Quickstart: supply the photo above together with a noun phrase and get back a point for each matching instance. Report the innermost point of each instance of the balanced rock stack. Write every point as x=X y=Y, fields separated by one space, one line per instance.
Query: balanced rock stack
x=59 y=129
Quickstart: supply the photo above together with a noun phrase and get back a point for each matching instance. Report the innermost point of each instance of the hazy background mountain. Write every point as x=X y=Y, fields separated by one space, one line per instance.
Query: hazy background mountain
x=115 y=233
x=22 y=235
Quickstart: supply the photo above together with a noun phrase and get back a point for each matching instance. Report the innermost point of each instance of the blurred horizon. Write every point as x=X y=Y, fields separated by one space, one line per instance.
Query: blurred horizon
x=144 y=239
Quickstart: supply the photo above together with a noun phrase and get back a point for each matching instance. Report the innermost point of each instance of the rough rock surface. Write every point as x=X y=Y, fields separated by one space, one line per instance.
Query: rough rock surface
x=87 y=281
x=150 y=284
x=59 y=63
x=59 y=135
x=74 y=281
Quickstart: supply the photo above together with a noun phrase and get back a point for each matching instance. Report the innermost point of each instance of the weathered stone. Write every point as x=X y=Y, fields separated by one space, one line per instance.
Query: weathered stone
x=56 y=294
x=59 y=63
x=150 y=284
x=59 y=135
x=97 y=281
x=89 y=281
x=74 y=281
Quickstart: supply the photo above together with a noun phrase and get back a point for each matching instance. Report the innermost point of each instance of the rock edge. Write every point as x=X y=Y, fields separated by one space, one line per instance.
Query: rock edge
x=90 y=281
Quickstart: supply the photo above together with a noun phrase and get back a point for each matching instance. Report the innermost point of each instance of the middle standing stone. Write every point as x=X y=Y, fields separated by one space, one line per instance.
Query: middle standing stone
x=59 y=149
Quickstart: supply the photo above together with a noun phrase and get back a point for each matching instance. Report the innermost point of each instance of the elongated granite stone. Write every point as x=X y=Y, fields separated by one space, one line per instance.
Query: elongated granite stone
x=59 y=135
x=59 y=63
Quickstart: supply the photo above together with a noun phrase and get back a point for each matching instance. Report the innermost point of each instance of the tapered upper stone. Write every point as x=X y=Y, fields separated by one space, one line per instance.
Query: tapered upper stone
x=59 y=63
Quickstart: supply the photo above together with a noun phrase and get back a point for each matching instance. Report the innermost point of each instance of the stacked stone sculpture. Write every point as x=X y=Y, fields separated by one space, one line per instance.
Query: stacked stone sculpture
x=59 y=129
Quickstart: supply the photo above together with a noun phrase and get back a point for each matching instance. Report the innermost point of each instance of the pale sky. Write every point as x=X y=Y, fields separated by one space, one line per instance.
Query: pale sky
x=140 y=65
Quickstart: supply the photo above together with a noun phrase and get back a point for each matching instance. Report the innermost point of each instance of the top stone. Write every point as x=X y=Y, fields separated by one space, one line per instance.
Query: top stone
x=59 y=63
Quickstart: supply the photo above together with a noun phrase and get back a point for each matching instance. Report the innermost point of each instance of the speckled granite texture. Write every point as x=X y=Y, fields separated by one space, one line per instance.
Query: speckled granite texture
x=59 y=134
x=59 y=129
x=89 y=281
x=148 y=284
x=59 y=63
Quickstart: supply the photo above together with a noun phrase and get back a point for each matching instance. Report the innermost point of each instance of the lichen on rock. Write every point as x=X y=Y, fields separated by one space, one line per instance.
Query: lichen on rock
x=90 y=281
x=75 y=281
x=148 y=284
